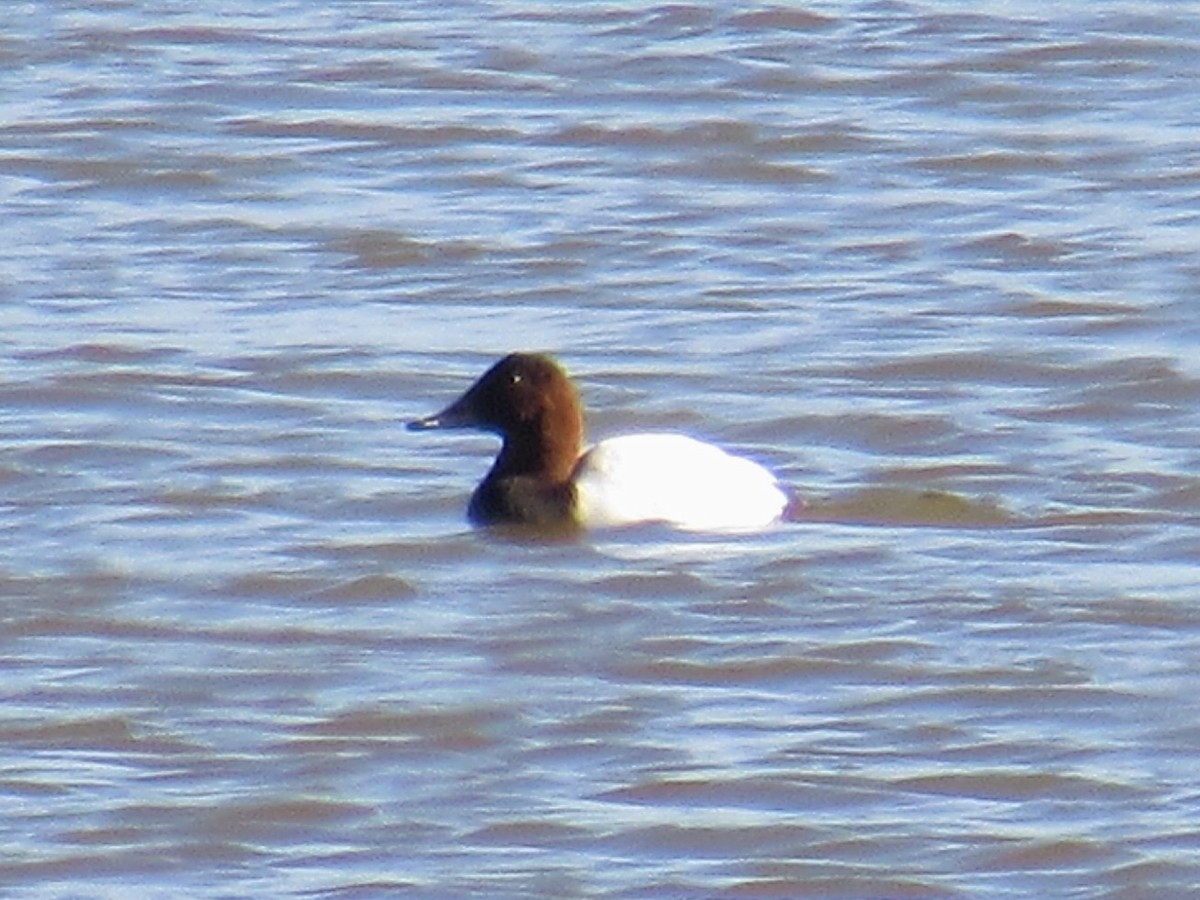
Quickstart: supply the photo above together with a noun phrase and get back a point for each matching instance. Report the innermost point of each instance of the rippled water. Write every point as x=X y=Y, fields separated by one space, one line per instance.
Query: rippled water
x=936 y=267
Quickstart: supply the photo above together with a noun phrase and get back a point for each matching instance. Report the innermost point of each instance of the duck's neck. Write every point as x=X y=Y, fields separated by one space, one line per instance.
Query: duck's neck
x=548 y=451
x=551 y=458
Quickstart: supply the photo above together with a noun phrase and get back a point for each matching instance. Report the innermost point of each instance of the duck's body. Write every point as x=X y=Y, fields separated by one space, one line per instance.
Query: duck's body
x=542 y=476
x=674 y=479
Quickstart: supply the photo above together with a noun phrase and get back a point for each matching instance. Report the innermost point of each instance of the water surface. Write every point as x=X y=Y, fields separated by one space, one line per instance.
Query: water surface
x=937 y=268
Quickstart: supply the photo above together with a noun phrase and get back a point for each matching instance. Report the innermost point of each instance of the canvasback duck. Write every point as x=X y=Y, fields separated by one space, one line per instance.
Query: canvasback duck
x=543 y=477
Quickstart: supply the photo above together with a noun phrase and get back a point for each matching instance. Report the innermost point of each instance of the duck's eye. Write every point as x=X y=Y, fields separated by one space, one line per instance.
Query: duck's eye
x=515 y=378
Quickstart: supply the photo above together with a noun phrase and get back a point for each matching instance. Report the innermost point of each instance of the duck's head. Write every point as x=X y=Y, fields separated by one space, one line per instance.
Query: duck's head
x=528 y=400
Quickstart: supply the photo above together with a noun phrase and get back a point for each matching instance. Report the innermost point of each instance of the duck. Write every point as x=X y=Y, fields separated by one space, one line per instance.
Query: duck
x=544 y=476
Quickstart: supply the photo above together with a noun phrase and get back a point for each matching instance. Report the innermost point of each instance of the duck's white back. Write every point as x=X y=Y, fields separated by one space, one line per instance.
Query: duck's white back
x=674 y=479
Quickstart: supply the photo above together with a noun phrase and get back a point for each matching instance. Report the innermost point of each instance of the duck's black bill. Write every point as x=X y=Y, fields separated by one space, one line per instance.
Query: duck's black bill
x=456 y=415
x=426 y=424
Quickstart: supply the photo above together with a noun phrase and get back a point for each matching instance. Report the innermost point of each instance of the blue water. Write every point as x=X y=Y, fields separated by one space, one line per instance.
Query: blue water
x=935 y=267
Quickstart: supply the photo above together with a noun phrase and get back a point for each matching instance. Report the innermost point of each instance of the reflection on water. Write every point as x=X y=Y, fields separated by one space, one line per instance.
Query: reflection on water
x=909 y=508
x=936 y=269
